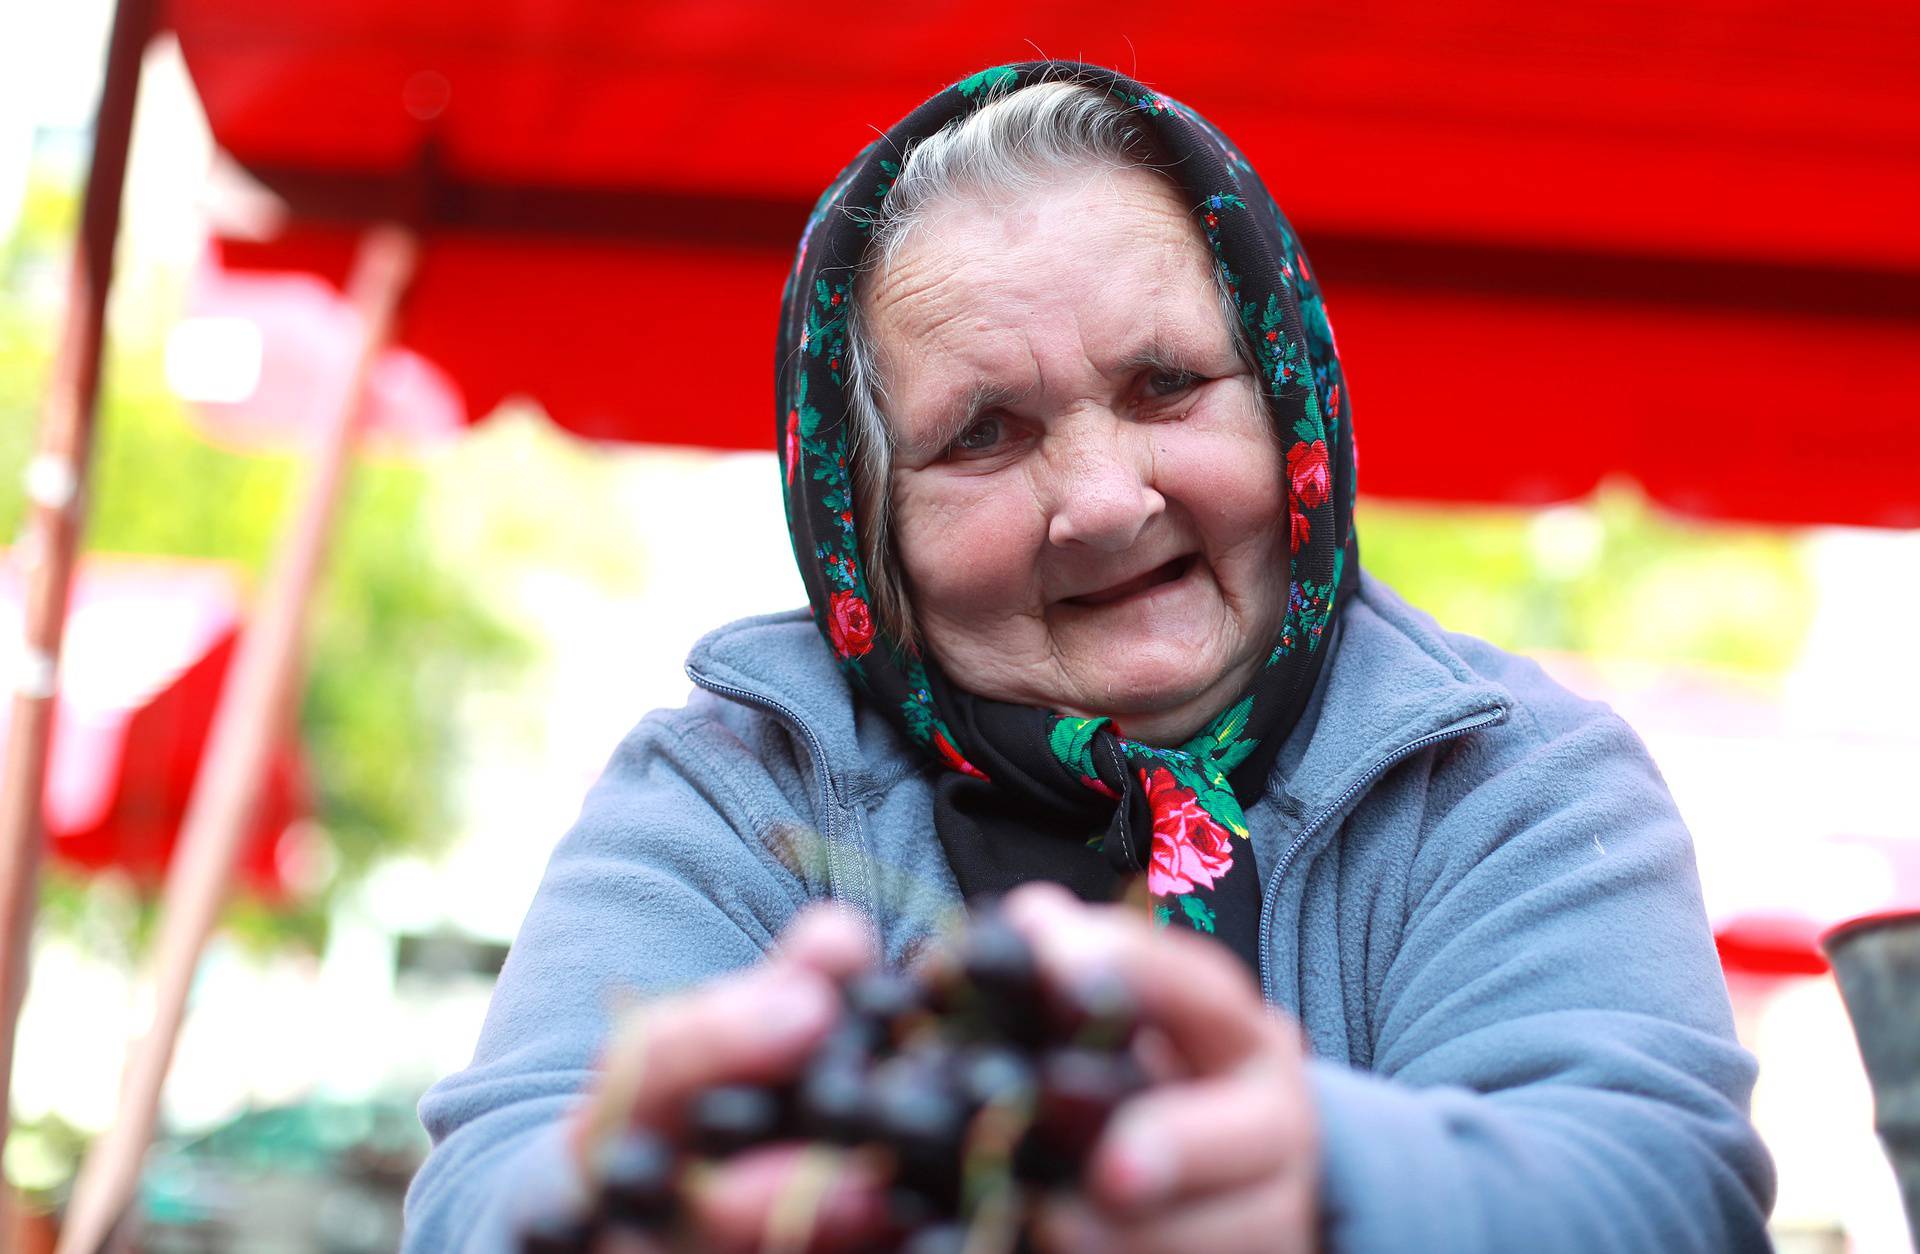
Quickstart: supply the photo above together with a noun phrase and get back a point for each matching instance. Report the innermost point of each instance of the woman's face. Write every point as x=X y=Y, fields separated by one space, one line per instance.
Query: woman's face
x=1087 y=491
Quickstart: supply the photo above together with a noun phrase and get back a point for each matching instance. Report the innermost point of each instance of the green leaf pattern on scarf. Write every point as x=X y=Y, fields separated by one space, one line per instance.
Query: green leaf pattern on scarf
x=989 y=79
x=1072 y=742
x=1198 y=916
x=826 y=331
x=925 y=725
x=1201 y=766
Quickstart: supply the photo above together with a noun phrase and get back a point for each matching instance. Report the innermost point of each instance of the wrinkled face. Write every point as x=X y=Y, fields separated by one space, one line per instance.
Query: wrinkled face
x=1087 y=493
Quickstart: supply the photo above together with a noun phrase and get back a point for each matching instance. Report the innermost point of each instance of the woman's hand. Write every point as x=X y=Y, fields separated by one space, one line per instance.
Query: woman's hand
x=1223 y=1153
x=1220 y=1154
x=754 y=1026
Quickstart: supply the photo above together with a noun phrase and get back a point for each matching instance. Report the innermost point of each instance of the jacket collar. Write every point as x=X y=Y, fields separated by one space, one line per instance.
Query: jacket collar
x=779 y=662
x=1394 y=679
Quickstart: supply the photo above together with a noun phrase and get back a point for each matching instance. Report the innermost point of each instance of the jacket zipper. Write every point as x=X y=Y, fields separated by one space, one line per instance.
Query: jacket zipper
x=845 y=877
x=1328 y=813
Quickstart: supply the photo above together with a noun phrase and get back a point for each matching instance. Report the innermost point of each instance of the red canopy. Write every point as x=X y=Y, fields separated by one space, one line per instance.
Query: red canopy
x=147 y=648
x=1559 y=242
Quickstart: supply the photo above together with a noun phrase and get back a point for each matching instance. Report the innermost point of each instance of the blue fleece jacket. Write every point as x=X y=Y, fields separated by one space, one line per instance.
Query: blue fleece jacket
x=1479 y=902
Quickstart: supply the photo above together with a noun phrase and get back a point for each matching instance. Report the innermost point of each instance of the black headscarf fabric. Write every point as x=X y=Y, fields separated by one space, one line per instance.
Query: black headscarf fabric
x=1030 y=793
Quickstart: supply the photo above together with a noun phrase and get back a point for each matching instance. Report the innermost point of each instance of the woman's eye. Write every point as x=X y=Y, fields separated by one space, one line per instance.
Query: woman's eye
x=979 y=437
x=1170 y=382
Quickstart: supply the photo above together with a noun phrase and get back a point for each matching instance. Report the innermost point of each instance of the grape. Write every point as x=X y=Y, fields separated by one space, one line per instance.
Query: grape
x=556 y=1234
x=970 y=1081
x=1079 y=1091
x=888 y=997
x=637 y=1182
x=942 y=1238
x=1002 y=977
x=909 y=1211
x=996 y=1073
x=918 y=1114
x=855 y=1037
x=831 y=1102
x=1097 y=1013
x=729 y=1118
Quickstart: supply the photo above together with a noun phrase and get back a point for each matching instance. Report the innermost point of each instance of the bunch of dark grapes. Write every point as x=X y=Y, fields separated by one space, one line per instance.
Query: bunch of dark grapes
x=975 y=1085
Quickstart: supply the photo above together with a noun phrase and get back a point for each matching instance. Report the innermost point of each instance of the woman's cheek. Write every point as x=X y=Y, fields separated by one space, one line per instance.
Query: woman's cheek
x=967 y=546
x=1230 y=479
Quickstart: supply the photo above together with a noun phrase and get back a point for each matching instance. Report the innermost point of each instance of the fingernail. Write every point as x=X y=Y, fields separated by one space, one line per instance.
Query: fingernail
x=1139 y=1169
x=1073 y=941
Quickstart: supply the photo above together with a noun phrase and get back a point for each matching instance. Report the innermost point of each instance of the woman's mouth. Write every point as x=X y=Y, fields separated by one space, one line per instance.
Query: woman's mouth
x=1165 y=573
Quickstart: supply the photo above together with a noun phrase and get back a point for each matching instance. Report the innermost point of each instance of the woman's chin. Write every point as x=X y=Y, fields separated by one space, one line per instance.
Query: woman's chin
x=1149 y=671
x=1160 y=665
x=1161 y=696
x=1151 y=678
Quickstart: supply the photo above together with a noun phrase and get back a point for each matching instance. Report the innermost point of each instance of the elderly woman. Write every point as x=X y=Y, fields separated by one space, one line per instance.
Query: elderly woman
x=1069 y=468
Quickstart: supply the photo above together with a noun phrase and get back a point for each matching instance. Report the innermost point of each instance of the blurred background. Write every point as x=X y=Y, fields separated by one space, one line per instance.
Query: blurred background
x=1628 y=296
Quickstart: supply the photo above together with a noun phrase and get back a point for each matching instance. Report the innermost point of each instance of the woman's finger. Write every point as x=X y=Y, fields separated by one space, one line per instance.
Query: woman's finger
x=628 y=1242
x=1277 y=1216
x=753 y=1026
x=1202 y=1137
x=750 y=1026
x=828 y=938
x=1190 y=988
x=788 y=1197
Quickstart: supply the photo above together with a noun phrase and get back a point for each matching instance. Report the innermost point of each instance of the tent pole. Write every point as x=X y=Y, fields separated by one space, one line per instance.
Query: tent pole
x=257 y=701
x=56 y=511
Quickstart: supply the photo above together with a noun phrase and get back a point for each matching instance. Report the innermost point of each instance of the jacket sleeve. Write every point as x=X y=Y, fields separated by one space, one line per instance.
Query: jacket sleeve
x=1554 y=1066
x=671 y=874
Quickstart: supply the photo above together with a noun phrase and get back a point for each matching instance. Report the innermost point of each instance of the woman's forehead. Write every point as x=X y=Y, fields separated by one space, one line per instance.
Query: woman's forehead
x=1113 y=269
x=1087 y=219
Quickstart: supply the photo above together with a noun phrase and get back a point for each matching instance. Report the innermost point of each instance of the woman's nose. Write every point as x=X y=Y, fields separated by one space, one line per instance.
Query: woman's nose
x=1104 y=496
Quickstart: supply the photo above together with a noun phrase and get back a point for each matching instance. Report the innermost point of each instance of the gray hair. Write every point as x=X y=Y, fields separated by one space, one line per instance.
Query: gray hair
x=1013 y=145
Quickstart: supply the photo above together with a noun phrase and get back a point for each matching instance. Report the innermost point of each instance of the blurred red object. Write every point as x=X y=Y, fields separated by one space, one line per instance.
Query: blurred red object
x=148 y=643
x=1559 y=242
x=268 y=356
x=1771 y=944
x=1878 y=876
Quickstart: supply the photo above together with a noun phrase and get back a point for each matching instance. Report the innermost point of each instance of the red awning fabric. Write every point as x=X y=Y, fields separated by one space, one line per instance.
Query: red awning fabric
x=1559 y=242
x=148 y=642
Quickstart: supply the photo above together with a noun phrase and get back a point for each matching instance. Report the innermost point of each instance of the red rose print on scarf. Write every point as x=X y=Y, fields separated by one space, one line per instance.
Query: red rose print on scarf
x=1311 y=482
x=850 y=624
x=1307 y=471
x=793 y=444
x=1190 y=849
x=951 y=756
x=1098 y=785
x=1300 y=530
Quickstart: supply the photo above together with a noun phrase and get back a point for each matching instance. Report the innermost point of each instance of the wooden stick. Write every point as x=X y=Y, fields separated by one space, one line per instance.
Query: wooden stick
x=56 y=511
x=256 y=705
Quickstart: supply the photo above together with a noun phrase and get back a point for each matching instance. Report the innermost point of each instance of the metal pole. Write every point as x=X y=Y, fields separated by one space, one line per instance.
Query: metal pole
x=255 y=704
x=56 y=511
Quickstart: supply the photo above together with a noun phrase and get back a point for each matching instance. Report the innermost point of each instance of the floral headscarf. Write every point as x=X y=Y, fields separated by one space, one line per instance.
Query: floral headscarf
x=1030 y=793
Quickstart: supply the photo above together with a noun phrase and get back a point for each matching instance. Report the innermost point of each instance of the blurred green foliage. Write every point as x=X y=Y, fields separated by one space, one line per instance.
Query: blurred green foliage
x=1609 y=578
x=396 y=633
